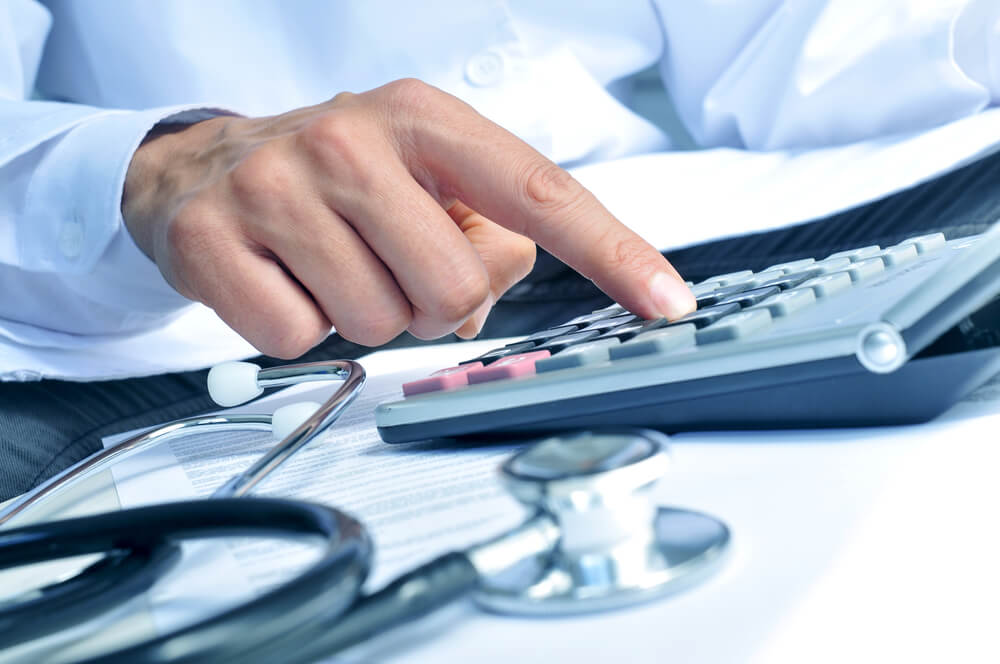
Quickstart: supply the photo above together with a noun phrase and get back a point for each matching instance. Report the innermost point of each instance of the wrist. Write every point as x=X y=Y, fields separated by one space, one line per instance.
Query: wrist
x=156 y=175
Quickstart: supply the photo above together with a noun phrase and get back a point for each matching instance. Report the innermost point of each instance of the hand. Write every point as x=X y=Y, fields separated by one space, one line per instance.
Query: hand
x=396 y=209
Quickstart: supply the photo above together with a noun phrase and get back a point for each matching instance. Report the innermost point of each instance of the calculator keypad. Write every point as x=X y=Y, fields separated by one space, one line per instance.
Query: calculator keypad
x=732 y=307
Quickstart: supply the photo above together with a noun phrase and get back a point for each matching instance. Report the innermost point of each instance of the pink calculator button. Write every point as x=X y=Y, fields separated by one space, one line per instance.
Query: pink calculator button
x=445 y=379
x=511 y=366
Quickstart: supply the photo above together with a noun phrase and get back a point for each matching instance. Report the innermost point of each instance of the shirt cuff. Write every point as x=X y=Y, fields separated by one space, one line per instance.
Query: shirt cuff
x=76 y=199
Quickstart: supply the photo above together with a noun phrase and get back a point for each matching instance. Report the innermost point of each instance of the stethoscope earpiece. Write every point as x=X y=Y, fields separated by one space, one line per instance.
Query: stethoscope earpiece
x=234 y=383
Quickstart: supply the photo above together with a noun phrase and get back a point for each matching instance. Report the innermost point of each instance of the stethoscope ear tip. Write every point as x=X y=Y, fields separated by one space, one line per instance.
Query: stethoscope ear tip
x=233 y=383
x=288 y=418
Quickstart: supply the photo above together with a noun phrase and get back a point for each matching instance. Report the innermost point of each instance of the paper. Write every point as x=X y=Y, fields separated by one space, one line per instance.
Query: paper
x=673 y=199
x=848 y=544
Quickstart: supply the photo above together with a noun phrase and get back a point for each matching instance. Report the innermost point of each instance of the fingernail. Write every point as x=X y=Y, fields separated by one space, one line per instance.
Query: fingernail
x=479 y=318
x=671 y=296
x=476 y=320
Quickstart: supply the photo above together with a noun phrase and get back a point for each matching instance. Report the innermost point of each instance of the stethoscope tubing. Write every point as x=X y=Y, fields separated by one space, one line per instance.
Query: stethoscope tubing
x=108 y=583
x=316 y=596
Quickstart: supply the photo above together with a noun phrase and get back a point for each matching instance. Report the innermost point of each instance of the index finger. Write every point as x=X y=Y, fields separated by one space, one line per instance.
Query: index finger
x=496 y=173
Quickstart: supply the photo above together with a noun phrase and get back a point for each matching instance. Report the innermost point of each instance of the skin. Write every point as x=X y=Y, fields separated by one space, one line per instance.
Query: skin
x=396 y=209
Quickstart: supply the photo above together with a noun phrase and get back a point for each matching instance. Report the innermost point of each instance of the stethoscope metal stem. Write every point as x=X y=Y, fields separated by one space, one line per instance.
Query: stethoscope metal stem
x=353 y=375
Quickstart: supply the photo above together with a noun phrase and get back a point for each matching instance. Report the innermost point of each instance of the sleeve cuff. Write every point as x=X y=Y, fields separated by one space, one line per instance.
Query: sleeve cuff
x=76 y=199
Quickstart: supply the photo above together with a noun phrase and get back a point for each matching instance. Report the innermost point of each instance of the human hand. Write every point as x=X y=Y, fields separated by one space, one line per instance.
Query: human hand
x=396 y=209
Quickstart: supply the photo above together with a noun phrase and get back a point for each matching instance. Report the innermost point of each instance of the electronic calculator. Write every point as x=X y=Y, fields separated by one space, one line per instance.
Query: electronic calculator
x=874 y=335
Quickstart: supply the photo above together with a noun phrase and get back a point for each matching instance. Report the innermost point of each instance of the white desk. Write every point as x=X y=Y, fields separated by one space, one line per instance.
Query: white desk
x=848 y=546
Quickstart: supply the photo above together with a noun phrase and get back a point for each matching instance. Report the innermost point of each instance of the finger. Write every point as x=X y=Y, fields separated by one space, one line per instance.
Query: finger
x=430 y=259
x=507 y=257
x=254 y=295
x=323 y=252
x=512 y=184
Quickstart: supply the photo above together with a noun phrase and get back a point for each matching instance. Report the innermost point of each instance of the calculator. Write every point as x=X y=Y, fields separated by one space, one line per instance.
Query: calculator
x=870 y=336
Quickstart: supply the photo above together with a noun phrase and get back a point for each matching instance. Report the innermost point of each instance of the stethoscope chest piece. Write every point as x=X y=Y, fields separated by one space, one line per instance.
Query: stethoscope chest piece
x=616 y=547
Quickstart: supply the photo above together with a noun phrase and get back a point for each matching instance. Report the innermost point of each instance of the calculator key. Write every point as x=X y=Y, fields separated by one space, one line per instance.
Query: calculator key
x=445 y=379
x=704 y=288
x=558 y=344
x=511 y=366
x=613 y=309
x=544 y=335
x=865 y=269
x=788 y=302
x=497 y=353
x=761 y=278
x=793 y=280
x=855 y=255
x=736 y=326
x=629 y=330
x=926 y=243
x=586 y=319
x=719 y=294
x=792 y=266
x=608 y=323
x=591 y=352
x=898 y=255
x=655 y=342
x=828 y=265
x=828 y=284
x=732 y=278
x=752 y=297
x=709 y=315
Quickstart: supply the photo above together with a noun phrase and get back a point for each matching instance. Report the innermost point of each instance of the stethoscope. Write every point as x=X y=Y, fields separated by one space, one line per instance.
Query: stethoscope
x=594 y=540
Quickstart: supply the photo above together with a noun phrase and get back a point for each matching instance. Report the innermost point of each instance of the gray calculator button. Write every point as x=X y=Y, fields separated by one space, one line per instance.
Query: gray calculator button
x=856 y=255
x=765 y=276
x=656 y=341
x=735 y=326
x=613 y=309
x=704 y=288
x=591 y=352
x=788 y=302
x=926 y=243
x=828 y=284
x=792 y=266
x=732 y=278
x=865 y=269
x=828 y=265
x=898 y=255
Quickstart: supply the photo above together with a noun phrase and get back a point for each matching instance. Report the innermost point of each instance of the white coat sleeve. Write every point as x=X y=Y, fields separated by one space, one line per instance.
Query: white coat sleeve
x=67 y=263
x=769 y=75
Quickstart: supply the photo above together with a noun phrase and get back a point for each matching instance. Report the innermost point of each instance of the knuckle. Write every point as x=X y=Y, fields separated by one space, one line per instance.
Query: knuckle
x=629 y=254
x=261 y=178
x=330 y=137
x=549 y=187
x=193 y=231
x=292 y=341
x=375 y=330
x=341 y=148
x=460 y=300
x=411 y=94
x=342 y=97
